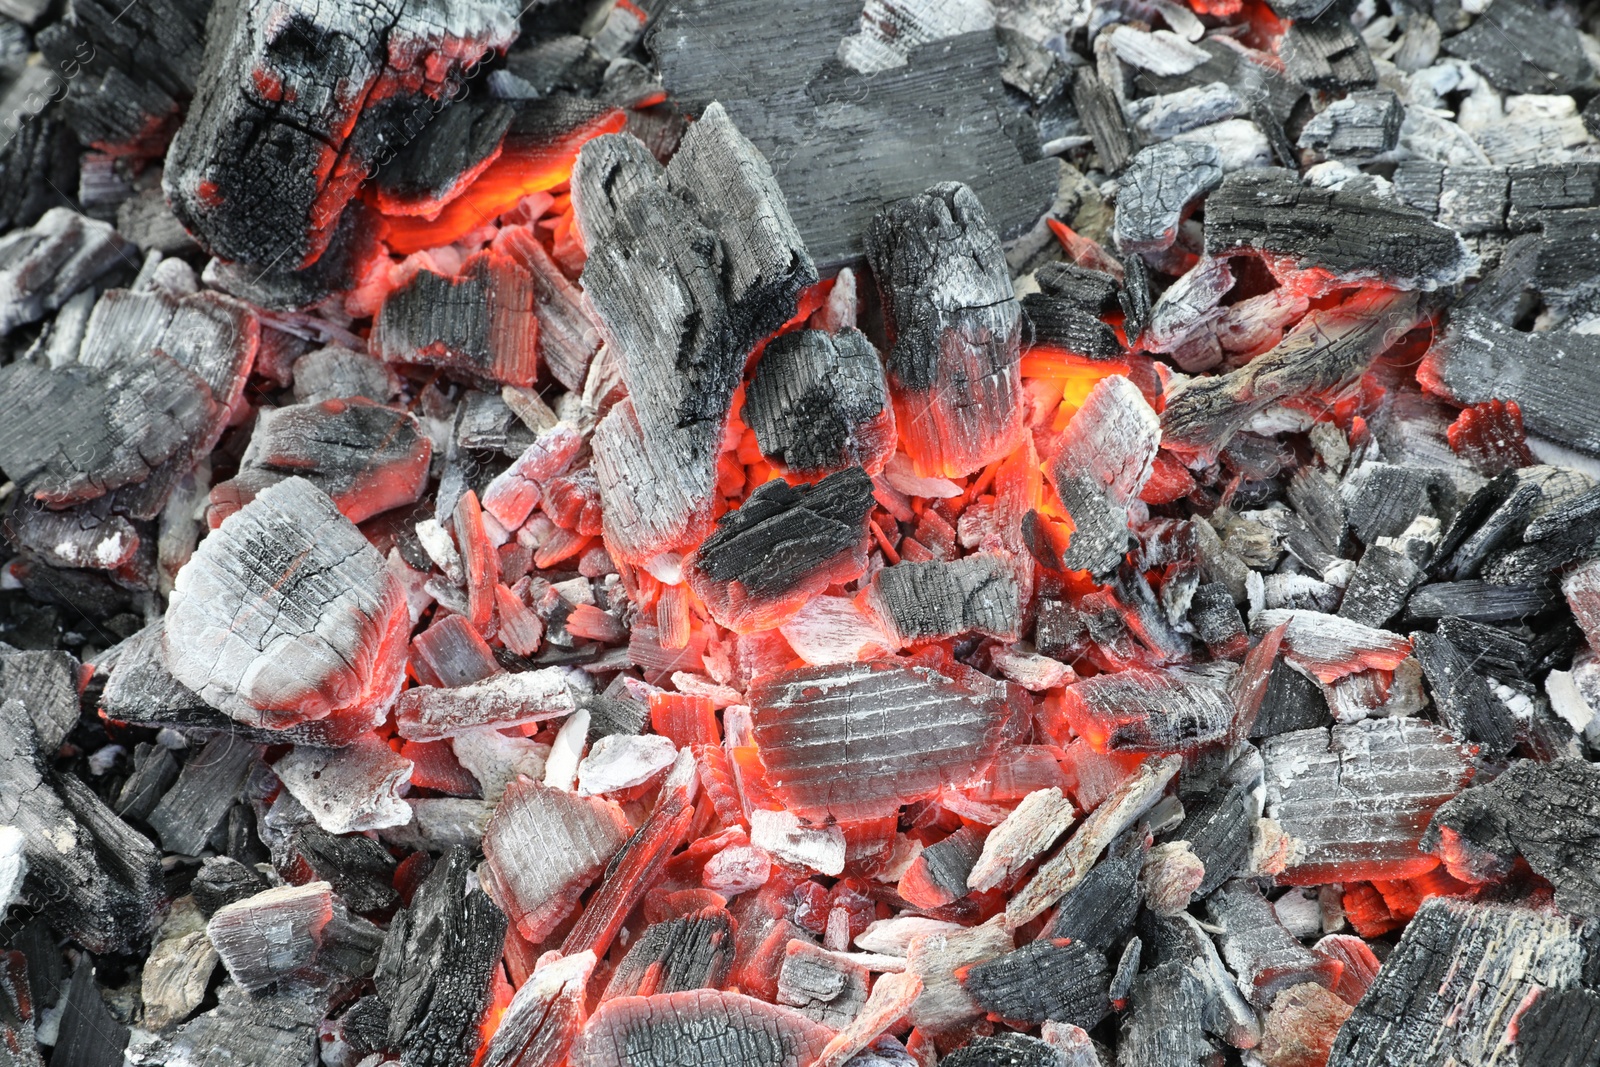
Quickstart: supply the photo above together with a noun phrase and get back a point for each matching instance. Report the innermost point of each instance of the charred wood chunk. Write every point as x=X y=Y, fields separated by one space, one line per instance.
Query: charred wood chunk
x=975 y=594
x=1099 y=913
x=1521 y=49
x=656 y=490
x=1325 y=349
x=1061 y=323
x=1102 y=464
x=273 y=934
x=1143 y=710
x=1165 y=1025
x=1101 y=114
x=694 y=1027
x=276 y=1029
x=44 y=266
x=784 y=545
x=154 y=771
x=1491 y=517
x=1362 y=125
x=1054 y=979
x=354 y=246
x=480 y=322
x=222 y=881
x=910 y=731
x=336 y=373
x=568 y=337
x=90 y=1036
x=1466 y=706
x=437 y=967
x=1468 y=199
x=689 y=952
x=1544 y=812
x=1220 y=828
x=1031 y=828
x=938 y=876
x=1561 y=1029
x=819 y=403
x=955 y=365
x=1093 y=291
x=1005 y=1050
x=1539 y=189
x=1480 y=601
x=350 y=789
x=360 y=869
x=1357 y=799
x=97 y=879
x=1383 y=499
x=1156 y=190
x=1135 y=297
x=47 y=685
x=1479 y=359
x=91 y=535
x=199 y=800
x=1350 y=232
x=843 y=143
x=367 y=457
x=1325 y=52
x=1266 y=957
x=286 y=614
x=1378 y=589
x=271 y=151
x=822 y=985
x=449 y=151
x=1216 y=619
x=1450 y=990
x=429 y=713
x=1290 y=702
x=544 y=1017
x=573 y=837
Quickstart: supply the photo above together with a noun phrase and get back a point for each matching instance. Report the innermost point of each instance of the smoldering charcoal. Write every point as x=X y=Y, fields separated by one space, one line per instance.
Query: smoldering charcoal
x=853 y=533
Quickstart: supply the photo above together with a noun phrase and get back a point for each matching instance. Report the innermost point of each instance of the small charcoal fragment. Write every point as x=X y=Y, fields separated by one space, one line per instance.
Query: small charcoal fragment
x=1060 y=323
x=336 y=373
x=1005 y=1050
x=700 y=1026
x=819 y=403
x=1143 y=710
x=1031 y=828
x=1221 y=827
x=1165 y=1023
x=1265 y=956
x=276 y=1029
x=47 y=685
x=286 y=614
x=1103 y=463
x=273 y=934
x=976 y=594
x=1463 y=698
x=1101 y=910
x=543 y=1019
x=1378 y=589
x=938 y=876
x=822 y=985
x=1521 y=49
x=1324 y=51
x=689 y=952
x=429 y=713
x=51 y=261
x=1156 y=190
x=1329 y=647
x=954 y=367
x=1362 y=125
x=1480 y=601
x=1048 y=979
x=1102 y=117
x=911 y=732
x=198 y=801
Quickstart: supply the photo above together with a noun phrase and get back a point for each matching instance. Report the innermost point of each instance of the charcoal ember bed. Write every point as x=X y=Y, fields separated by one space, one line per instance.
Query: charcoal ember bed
x=713 y=533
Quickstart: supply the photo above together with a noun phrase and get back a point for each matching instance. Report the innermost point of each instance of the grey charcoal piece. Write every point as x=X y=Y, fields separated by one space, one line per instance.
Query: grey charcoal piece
x=1165 y=1023
x=273 y=934
x=1383 y=499
x=90 y=1036
x=1378 y=589
x=47 y=685
x=1560 y=1029
x=688 y=952
x=222 y=881
x=58 y=256
x=1103 y=462
x=1545 y=812
x=1062 y=980
x=824 y=986
x=1480 y=601
x=1450 y=990
x=1145 y=710
x=1469 y=199
x=1155 y=192
x=975 y=594
x=698 y=1026
x=154 y=771
x=1266 y=957
x=91 y=535
x=336 y=373
x=1101 y=910
x=818 y=402
x=543 y=1018
x=939 y=874
x=569 y=338
x=1465 y=703
x=1521 y=49
x=1547 y=374
x=276 y=1029
x=1361 y=126
x=1102 y=116
x=1221 y=826
x=97 y=879
x=208 y=785
x=1540 y=188
x=1325 y=52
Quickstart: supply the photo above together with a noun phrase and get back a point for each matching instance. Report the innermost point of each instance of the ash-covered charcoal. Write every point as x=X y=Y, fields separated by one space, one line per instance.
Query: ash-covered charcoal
x=699 y=1026
x=1360 y=126
x=272 y=934
x=1054 y=978
x=1378 y=589
x=1466 y=705
x=1357 y=799
x=1103 y=463
x=1265 y=956
x=1325 y=52
x=221 y=881
x=1560 y=1029
x=338 y=373
x=53 y=260
x=437 y=967
x=479 y=320
x=1451 y=990
x=1469 y=199
x=1155 y=192
x=90 y=535
x=350 y=789
x=1544 y=812
x=1165 y=1024
x=367 y=457
x=1521 y=49
x=825 y=986
x=954 y=366
x=1220 y=827
x=1102 y=116
x=974 y=594
x=1025 y=834
x=275 y=1029
x=539 y=1025
x=910 y=731
x=568 y=337
x=1478 y=359
x=100 y=877
x=1142 y=710
x=818 y=403
x=287 y=614
x=271 y=151
x=1329 y=647
x=1349 y=232
x=1326 y=349
x=1005 y=1050
x=783 y=546
x=1480 y=601
x=844 y=143
x=430 y=713
x=190 y=812
x=46 y=683
x=689 y=952
x=938 y=876
x=573 y=837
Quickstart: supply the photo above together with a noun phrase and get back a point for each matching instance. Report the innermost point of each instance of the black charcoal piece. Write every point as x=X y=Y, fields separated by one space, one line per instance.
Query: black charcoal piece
x=1063 y=323
x=818 y=402
x=1480 y=601
x=938 y=876
x=1360 y=126
x=1005 y=1050
x=90 y=535
x=1378 y=589
x=843 y=144
x=1220 y=827
x=1057 y=979
x=689 y=952
x=974 y=594
x=1538 y=189
x=154 y=771
x=783 y=534
x=360 y=869
x=277 y=1029
x=1521 y=49
x=437 y=966
x=221 y=881
x=1547 y=374
x=97 y=878
x=1155 y=192
x=1351 y=232
x=1100 y=911
x=1266 y=957
x=1384 y=498
x=1449 y=990
x=568 y=335
x=206 y=787
x=955 y=363
x=1165 y=1024
x=1144 y=710
x=450 y=149
x=1560 y=1029
x=1494 y=514
x=1325 y=52
x=1463 y=698
x=1545 y=812
x=824 y=986
x=270 y=151
x=1135 y=297
x=1468 y=199
x=39 y=154
x=90 y=1036
x=1093 y=291
x=1216 y=619
x=49 y=263
x=1292 y=702
x=47 y=685
x=1325 y=349
x=1491 y=650
x=1101 y=115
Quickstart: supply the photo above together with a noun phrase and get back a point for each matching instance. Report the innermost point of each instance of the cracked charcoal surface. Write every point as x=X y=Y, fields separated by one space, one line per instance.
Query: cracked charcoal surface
x=818 y=403
x=975 y=594
x=1061 y=980
x=286 y=613
x=1148 y=711
x=1465 y=703
x=480 y=321
x=1157 y=188
x=689 y=952
x=699 y=1028
x=1104 y=460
